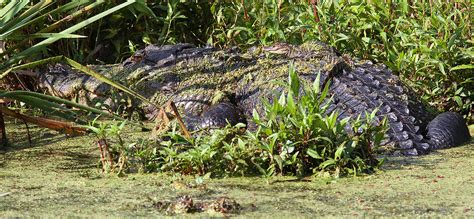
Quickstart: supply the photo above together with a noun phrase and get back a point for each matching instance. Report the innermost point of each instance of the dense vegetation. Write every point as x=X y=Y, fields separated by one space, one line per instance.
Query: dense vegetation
x=428 y=44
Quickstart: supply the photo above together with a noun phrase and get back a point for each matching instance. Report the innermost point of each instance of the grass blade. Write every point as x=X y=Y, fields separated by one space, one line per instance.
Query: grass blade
x=25 y=53
x=14 y=94
x=20 y=21
x=49 y=28
x=10 y=10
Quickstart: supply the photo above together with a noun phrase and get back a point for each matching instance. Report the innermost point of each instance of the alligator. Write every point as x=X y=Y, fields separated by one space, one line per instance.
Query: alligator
x=213 y=87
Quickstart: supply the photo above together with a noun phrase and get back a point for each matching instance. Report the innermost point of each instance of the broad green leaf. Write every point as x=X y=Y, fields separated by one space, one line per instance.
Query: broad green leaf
x=282 y=100
x=339 y=151
x=327 y=163
x=291 y=106
x=141 y=6
x=316 y=83
x=458 y=100
x=279 y=161
x=293 y=79
x=314 y=154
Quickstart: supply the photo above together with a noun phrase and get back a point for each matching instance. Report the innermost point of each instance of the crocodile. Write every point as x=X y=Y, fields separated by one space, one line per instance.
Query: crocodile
x=213 y=87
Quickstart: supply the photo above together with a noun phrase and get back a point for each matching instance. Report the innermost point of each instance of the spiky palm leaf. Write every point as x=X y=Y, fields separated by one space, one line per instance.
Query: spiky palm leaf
x=17 y=15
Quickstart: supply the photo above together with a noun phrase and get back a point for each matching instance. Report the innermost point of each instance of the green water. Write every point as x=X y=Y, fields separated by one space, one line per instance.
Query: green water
x=58 y=176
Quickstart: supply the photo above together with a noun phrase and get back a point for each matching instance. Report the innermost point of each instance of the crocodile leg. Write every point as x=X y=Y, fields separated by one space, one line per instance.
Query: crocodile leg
x=217 y=116
x=222 y=114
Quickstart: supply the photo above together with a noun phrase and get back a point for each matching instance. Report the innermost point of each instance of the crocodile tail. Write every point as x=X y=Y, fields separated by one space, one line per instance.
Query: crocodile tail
x=447 y=130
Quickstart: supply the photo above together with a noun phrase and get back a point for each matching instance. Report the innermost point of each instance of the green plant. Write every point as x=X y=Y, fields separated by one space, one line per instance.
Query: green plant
x=145 y=22
x=141 y=156
x=17 y=17
x=294 y=137
x=10 y=30
x=299 y=137
x=118 y=154
x=250 y=22
x=111 y=145
x=100 y=131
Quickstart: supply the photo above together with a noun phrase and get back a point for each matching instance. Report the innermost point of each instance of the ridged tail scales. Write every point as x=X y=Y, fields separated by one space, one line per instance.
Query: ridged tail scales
x=447 y=130
x=367 y=87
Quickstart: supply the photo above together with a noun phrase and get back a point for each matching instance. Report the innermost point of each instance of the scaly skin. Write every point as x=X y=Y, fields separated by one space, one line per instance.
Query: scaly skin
x=211 y=86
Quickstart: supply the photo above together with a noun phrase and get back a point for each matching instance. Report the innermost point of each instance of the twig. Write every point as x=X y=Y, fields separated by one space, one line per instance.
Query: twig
x=315 y=13
x=180 y=120
x=106 y=149
x=162 y=120
x=5 y=194
x=246 y=15
x=27 y=73
x=431 y=6
x=28 y=132
x=102 y=153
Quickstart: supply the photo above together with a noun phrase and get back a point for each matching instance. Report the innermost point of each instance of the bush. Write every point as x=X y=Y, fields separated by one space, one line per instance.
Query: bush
x=428 y=44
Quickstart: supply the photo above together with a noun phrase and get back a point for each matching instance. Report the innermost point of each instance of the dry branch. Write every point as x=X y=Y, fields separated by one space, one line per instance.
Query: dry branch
x=66 y=127
x=164 y=117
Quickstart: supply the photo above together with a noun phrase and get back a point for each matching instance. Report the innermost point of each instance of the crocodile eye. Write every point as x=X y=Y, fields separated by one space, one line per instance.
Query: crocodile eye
x=137 y=58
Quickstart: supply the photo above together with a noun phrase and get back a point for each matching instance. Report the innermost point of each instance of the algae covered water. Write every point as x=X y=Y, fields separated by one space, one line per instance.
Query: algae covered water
x=59 y=176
